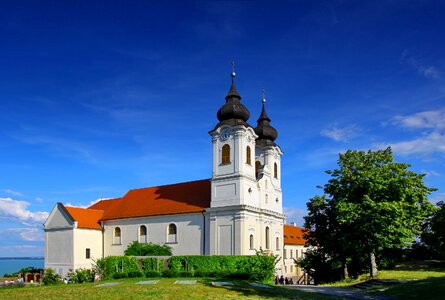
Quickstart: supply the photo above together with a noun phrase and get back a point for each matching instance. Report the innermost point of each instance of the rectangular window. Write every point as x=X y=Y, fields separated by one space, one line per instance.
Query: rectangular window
x=291 y=254
x=302 y=253
x=285 y=253
x=291 y=269
x=88 y=253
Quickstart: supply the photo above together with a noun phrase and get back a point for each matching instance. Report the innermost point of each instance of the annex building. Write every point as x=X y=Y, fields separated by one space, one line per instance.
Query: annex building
x=236 y=212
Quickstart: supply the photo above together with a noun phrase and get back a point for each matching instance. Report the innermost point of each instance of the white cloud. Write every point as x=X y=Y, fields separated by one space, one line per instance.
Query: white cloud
x=418 y=65
x=340 y=134
x=38 y=199
x=430 y=173
x=433 y=142
x=295 y=214
x=85 y=206
x=437 y=197
x=11 y=192
x=25 y=234
x=16 y=211
x=434 y=119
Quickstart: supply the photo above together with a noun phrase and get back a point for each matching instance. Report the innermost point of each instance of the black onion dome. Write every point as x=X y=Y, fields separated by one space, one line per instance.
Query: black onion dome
x=266 y=133
x=233 y=109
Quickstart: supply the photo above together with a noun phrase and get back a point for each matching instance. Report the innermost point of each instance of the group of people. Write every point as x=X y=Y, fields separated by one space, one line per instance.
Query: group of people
x=283 y=280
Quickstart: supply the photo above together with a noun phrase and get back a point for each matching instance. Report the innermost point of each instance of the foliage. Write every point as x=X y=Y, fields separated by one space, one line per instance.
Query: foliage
x=432 y=238
x=50 y=277
x=81 y=276
x=153 y=266
x=260 y=267
x=370 y=204
x=139 y=249
x=24 y=271
x=108 y=266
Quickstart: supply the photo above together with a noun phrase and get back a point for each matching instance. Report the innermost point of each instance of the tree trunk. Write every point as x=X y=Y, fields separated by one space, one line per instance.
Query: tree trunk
x=345 y=271
x=373 y=264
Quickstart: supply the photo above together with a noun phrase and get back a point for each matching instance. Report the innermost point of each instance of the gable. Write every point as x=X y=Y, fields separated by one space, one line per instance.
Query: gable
x=187 y=197
x=59 y=218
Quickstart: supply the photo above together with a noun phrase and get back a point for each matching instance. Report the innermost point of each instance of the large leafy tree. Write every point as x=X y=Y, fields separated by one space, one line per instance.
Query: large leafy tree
x=370 y=203
x=433 y=236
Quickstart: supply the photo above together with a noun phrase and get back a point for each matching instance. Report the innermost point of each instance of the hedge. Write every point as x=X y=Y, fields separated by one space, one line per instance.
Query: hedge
x=255 y=268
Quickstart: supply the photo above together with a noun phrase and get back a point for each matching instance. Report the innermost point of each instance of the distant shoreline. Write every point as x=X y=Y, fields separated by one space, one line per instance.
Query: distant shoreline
x=21 y=258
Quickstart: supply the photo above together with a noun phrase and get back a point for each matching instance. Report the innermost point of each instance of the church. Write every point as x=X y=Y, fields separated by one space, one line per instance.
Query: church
x=236 y=212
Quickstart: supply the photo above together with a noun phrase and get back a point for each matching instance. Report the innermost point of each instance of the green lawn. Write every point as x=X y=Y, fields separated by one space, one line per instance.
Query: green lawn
x=426 y=281
x=165 y=289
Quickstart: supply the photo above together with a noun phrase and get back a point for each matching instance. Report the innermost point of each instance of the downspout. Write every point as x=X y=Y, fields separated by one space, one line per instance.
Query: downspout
x=204 y=234
x=103 y=238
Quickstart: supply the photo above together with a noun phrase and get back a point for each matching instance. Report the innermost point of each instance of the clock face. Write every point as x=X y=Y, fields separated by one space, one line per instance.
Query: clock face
x=224 y=135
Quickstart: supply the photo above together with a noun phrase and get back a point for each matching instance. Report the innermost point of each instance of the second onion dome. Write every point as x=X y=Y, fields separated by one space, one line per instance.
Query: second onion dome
x=266 y=133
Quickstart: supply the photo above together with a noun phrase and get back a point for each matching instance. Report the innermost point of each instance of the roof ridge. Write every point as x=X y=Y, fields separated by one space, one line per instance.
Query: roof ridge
x=84 y=208
x=164 y=185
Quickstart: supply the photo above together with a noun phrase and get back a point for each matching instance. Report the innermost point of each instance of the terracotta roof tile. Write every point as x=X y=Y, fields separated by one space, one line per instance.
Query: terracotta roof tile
x=85 y=217
x=293 y=235
x=104 y=204
x=178 y=198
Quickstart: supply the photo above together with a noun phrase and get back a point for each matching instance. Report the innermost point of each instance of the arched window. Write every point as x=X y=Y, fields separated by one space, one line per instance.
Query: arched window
x=171 y=233
x=248 y=155
x=277 y=243
x=252 y=246
x=267 y=238
x=257 y=168
x=142 y=234
x=225 y=158
x=117 y=236
x=275 y=170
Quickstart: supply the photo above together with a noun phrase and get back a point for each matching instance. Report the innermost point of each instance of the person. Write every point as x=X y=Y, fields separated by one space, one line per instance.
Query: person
x=276 y=280
x=281 y=279
x=286 y=281
x=291 y=281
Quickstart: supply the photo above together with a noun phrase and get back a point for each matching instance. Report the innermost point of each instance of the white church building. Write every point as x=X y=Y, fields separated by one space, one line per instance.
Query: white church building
x=236 y=212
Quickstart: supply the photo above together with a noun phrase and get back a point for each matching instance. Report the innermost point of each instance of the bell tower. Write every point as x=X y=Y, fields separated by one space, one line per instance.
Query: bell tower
x=245 y=211
x=233 y=147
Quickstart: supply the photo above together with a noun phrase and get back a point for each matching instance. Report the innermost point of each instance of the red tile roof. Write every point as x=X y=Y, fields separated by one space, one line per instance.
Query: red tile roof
x=85 y=217
x=178 y=198
x=293 y=235
x=104 y=204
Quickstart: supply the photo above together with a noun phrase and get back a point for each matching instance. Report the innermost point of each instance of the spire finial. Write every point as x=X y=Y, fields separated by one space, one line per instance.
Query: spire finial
x=233 y=69
x=263 y=92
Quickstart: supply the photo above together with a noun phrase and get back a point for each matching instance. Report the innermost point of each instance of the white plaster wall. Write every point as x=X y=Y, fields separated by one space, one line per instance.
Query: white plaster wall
x=297 y=252
x=59 y=250
x=190 y=233
x=83 y=239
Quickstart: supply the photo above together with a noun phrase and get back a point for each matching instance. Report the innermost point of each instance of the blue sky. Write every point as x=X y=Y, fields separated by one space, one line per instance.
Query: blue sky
x=99 y=97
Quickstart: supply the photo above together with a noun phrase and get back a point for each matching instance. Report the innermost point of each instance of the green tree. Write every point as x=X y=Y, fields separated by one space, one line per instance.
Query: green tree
x=433 y=236
x=370 y=203
x=139 y=249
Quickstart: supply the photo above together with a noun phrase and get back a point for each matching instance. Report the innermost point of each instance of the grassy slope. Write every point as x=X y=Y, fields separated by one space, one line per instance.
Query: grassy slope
x=165 y=289
x=428 y=281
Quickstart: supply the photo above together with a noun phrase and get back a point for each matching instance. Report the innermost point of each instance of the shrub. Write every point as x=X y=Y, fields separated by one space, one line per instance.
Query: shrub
x=152 y=265
x=80 y=276
x=138 y=249
x=108 y=266
x=50 y=277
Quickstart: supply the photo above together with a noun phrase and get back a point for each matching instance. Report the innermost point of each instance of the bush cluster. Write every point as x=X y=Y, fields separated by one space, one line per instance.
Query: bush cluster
x=150 y=249
x=118 y=267
x=80 y=276
x=50 y=277
x=257 y=268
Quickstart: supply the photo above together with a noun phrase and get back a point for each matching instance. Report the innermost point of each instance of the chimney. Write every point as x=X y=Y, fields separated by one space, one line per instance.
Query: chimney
x=293 y=224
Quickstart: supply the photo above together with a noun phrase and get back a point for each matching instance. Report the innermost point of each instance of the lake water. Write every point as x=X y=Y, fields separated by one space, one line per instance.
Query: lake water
x=11 y=265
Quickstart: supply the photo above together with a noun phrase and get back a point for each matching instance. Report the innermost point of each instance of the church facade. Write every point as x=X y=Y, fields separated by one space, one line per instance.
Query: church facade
x=235 y=212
